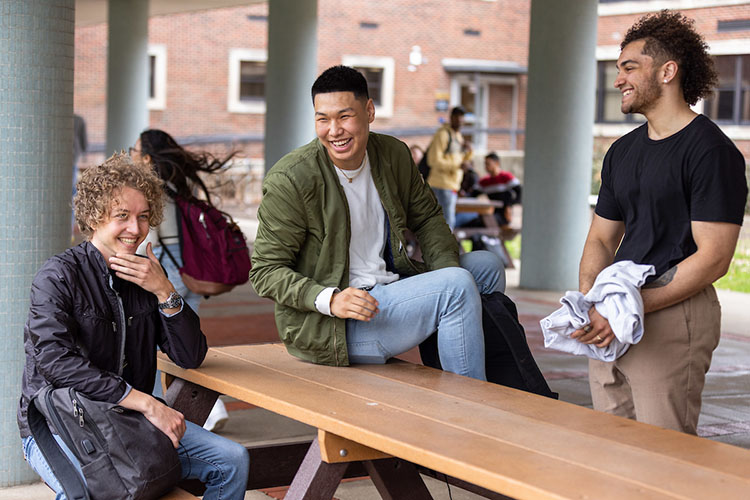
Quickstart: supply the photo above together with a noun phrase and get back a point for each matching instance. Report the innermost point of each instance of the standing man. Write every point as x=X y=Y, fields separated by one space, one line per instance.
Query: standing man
x=446 y=154
x=673 y=194
x=331 y=252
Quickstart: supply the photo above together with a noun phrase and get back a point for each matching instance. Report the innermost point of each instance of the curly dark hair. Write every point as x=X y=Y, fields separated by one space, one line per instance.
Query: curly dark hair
x=672 y=36
x=98 y=187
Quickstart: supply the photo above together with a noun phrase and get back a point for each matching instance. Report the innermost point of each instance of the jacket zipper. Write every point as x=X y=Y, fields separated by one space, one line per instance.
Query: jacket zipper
x=401 y=246
x=123 y=330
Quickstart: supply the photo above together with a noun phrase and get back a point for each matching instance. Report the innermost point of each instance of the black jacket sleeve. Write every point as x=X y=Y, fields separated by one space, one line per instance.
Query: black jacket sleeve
x=182 y=339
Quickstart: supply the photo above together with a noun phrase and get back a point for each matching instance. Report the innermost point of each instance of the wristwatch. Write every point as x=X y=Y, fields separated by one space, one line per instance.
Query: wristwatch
x=173 y=301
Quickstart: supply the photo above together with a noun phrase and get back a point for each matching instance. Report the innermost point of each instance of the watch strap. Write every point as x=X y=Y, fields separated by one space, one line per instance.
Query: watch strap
x=173 y=301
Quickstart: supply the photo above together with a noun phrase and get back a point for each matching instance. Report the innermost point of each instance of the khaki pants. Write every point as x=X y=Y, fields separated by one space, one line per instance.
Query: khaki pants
x=659 y=380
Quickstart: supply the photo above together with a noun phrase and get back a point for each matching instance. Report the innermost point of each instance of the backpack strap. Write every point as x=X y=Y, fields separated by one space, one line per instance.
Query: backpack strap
x=63 y=469
x=172 y=194
x=447 y=147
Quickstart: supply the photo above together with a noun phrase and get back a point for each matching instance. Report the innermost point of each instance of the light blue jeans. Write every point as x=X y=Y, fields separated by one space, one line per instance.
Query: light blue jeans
x=447 y=199
x=222 y=465
x=412 y=309
x=464 y=218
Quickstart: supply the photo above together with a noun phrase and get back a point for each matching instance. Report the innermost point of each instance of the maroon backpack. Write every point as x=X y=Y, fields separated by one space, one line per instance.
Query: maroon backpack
x=215 y=257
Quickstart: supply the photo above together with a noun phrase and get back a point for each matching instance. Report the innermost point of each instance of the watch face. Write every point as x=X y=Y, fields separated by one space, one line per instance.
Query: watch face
x=173 y=301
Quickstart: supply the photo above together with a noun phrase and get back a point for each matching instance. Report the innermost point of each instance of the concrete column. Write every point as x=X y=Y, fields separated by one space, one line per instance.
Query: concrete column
x=36 y=168
x=291 y=71
x=559 y=142
x=127 y=73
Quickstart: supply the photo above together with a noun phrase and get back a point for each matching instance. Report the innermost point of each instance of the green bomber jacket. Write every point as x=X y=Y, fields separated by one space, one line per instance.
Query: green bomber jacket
x=302 y=244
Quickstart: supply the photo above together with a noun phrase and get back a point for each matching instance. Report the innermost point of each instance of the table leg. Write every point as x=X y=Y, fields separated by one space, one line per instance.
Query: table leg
x=193 y=401
x=396 y=479
x=316 y=479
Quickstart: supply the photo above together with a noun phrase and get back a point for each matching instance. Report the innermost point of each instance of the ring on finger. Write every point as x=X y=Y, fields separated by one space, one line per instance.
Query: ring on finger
x=598 y=338
x=587 y=328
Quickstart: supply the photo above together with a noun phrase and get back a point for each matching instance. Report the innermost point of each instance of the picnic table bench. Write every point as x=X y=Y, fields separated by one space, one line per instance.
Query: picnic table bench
x=504 y=441
x=486 y=211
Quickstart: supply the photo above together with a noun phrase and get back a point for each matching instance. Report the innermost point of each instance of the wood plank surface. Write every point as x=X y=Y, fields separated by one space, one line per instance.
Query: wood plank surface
x=508 y=441
x=477 y=205
x=178 y=494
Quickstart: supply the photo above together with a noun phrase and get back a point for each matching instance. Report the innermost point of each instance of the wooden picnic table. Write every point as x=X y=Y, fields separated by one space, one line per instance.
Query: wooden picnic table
x=479 y=205
x=507 y=441
x=485 y=208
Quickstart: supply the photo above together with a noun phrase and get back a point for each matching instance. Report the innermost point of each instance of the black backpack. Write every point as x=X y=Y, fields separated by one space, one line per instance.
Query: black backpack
x=508 y=360
x=122 y=454
x=423 y=167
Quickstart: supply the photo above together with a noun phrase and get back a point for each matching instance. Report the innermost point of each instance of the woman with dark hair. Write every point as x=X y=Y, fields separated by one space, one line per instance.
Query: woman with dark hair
x=179 y=169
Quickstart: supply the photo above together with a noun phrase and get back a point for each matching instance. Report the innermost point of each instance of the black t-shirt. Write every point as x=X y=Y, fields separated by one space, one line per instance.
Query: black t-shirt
x=658 y=187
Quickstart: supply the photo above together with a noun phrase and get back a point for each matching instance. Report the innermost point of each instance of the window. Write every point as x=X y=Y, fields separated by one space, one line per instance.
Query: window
x=157 y=77
x=379 y=73
x=608 y=98
x=252 y=81
x=730 y=102
x=247 y=81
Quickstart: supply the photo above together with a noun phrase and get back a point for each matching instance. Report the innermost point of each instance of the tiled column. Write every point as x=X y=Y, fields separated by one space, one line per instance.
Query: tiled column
x=36 y=162
x=559 y=142
x=292 y=69
x=127 y=73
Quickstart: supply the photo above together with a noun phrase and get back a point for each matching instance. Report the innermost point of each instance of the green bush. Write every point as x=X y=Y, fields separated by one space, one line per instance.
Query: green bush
x=738 y=277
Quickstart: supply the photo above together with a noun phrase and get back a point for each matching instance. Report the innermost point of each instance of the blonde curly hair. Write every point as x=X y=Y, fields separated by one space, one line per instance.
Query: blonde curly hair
x=98 y=187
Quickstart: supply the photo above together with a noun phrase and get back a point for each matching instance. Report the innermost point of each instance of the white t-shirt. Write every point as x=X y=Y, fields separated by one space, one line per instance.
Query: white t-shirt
x=368 y=239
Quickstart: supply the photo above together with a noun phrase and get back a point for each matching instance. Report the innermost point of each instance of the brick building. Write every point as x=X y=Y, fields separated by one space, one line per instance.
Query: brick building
x=421 y=57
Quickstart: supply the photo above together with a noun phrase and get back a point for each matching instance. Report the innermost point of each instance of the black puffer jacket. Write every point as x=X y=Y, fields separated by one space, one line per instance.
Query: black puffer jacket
x=74 y=334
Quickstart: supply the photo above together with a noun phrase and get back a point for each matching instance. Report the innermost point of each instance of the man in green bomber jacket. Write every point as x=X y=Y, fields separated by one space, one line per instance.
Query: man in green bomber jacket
x=330 y=248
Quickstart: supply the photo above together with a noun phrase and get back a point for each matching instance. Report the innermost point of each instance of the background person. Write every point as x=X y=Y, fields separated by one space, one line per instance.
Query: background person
x=79 y=295
x=179 y=169
x=499 y=185
x=80 y=146
x=445 y=156
x=673 y=195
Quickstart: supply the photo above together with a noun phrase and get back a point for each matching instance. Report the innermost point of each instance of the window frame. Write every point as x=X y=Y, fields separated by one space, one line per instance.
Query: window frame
x=234 y=103
x=737 y=88
x=388 y=65
x=159 y=100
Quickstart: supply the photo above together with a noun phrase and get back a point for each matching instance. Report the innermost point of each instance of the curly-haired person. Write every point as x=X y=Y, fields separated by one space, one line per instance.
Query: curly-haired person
x=76 y=334
x=673 y=194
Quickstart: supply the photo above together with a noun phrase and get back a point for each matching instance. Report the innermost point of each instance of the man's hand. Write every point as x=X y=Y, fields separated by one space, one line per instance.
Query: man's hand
x=597 y=332
x=353 y=303
x=170 y=422
x=146 y=273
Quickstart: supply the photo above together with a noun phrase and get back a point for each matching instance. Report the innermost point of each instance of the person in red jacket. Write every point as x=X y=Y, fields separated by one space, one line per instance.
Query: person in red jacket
x=499 y=185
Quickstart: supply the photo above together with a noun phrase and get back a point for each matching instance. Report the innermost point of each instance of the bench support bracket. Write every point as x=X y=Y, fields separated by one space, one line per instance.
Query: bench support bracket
x=336 y=449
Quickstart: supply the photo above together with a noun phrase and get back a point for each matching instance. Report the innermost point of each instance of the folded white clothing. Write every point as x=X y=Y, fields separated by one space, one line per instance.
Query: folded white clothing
x=616 y=296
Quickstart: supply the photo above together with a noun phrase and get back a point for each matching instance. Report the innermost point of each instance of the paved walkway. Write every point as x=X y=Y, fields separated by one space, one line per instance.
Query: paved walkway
x=243 y=317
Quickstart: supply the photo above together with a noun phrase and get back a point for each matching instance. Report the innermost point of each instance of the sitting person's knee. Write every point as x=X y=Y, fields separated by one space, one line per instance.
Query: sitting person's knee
x=487 y=270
